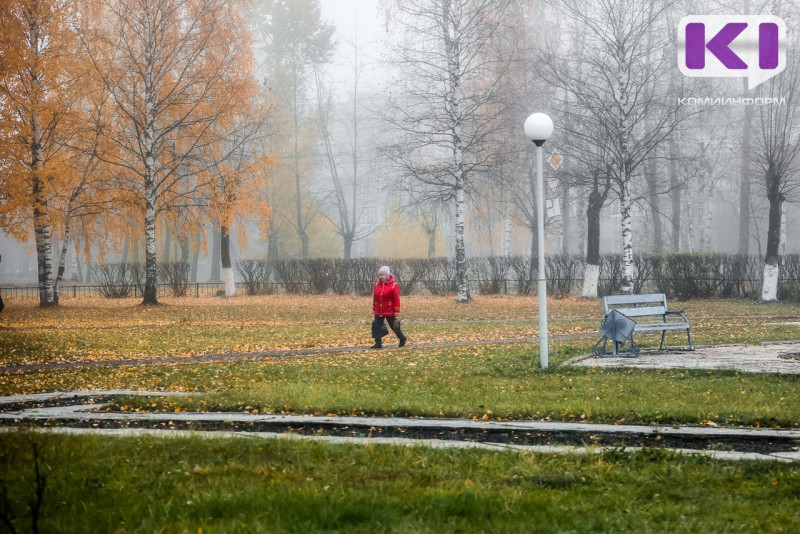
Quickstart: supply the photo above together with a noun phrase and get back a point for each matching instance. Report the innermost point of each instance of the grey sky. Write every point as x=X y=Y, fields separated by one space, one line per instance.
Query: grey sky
x=355 y=21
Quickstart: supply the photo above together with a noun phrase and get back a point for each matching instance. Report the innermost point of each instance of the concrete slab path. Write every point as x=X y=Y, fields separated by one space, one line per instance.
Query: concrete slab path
x=71 y=415
x=782 y=358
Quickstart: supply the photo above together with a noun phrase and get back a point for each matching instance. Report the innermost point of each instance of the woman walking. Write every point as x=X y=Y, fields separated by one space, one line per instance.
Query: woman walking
x=386 y=306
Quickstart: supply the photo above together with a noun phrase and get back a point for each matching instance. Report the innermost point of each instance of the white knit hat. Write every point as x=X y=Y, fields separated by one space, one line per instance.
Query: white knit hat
x=384 y=270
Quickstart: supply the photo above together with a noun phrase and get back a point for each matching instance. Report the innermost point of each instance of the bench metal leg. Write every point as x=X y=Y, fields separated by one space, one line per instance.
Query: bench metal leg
x=663 y=333
x=689 y=335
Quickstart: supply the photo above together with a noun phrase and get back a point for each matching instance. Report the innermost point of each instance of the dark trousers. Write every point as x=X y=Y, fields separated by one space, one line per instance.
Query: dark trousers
x=394 y=324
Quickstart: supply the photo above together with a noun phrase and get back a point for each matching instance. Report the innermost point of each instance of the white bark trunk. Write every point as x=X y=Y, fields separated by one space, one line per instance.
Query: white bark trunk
x=230 y=284
x=151 y=266
x=44 y=251
x=769 y=291
x=507 y=233
x=453 y=97
x=709 y=213
x=690 y=225
x=625 y=207
x=461 y=255
x=591 y=277
x=582 y=224
x=73 y=262
x=782 y=246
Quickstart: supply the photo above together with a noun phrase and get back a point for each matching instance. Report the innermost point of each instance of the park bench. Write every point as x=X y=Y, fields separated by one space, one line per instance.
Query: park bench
x=650 y=313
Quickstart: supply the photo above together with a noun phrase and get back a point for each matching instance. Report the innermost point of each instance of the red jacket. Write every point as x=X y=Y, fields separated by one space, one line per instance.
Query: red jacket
x=386 y=298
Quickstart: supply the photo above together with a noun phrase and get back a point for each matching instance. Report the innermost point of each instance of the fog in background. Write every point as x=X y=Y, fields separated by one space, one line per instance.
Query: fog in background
x=403 y=152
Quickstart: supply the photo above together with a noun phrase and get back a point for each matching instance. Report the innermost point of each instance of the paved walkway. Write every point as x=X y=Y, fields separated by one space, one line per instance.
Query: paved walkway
x=70 y=412
x=783 y=358
x=786 y=457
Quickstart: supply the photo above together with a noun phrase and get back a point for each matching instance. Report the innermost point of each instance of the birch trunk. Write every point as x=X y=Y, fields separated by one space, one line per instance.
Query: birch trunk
x=227 y=270
x=744 y=186
x=44 y=251
x=167 y=244
x=691 y=217
x=709 y=216
x=591 y=271
x=453 y=103
x=74 y=270
x=784 y=237
x=195 y=259
x=461 y=255
x=149 y=174
x=216 y=247
x=769 y=290
x=565 y=222
x=591 y=278
x=151 y=266
x=675 y=195
x=507 y=232
x=772 y=260
x=41 y=215
x=62 y=258
x=625 y=208
x=41 y=220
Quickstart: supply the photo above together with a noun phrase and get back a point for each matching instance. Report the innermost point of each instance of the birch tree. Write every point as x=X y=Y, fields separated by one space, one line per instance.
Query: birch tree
x=40 y=83
x=170 y=66
x=621 y=88
x=445 y=102
x=238 y=191
x=778 y=145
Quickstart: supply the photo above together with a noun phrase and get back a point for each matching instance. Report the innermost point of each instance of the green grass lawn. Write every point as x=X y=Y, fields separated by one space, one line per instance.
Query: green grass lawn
x=103 y=484
x=485 y=380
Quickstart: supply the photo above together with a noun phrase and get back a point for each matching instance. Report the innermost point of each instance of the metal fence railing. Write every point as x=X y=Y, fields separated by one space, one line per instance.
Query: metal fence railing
x=555 y=286
x=76 y=291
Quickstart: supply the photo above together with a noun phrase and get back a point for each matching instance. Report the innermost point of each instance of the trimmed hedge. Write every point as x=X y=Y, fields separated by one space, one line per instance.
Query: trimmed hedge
x=122 y=280
x=678 y=275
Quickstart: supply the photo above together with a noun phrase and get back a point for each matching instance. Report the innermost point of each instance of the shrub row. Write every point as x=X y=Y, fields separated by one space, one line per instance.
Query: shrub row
x=678 y=275
x=120 y=280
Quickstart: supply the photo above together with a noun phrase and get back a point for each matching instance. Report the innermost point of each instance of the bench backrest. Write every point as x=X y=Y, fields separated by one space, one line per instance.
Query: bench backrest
x=636 y=305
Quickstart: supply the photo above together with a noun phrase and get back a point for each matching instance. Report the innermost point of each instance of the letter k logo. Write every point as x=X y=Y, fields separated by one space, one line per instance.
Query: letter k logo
x=749 y=46
x=718 y=45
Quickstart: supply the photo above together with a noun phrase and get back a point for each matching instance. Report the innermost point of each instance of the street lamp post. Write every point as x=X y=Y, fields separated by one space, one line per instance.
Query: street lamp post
x=538 y=128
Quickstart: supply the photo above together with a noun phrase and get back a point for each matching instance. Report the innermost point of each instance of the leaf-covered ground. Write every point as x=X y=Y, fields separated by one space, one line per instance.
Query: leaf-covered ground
x=104 y=330
x=150 y=484
x=485 y=379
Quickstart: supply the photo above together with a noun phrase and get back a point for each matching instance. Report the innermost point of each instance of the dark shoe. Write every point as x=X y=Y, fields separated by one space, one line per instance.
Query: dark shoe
x=403 y=341
x=377 y=345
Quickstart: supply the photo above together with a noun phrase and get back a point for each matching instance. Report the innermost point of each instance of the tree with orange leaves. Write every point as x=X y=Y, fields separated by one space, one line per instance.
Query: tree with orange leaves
x=41 y=83
x=174 y=69
x=239 y=164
